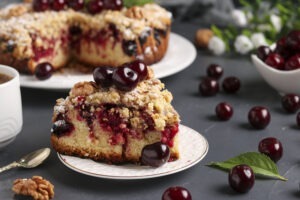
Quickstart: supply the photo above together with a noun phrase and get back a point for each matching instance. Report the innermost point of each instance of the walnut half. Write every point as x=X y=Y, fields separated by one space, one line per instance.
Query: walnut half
x=37 y=187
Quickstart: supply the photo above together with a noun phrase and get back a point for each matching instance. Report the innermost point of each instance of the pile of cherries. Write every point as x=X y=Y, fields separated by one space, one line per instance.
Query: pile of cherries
x=209 y=85
x=259 y=117
x=125 y=77
x=241 y=177
x=286 y=55
x=92 y=6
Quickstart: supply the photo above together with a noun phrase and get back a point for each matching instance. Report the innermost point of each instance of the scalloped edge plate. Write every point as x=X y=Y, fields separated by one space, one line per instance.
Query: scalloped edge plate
x=193 y=148
x=180 y=55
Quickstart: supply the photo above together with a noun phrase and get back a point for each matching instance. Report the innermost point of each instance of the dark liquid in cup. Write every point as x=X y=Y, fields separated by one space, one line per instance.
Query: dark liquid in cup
x=4 y=78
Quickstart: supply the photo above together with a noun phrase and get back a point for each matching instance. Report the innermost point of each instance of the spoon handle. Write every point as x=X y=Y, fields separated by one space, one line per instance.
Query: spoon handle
x=9 y=166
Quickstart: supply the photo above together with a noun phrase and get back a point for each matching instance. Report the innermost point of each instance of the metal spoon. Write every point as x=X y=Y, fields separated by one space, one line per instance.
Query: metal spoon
x=31 y=160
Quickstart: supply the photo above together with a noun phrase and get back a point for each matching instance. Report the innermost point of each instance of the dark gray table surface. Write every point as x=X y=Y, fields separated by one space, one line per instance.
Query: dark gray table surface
x=226 y=139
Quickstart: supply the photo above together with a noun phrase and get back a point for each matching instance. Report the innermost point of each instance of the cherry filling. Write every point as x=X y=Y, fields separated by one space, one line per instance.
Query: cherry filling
x=148 y=121
x=62 y=127
x=85 y=114
x=115 y=32
x=41 y=52
x=100 y=38
x=168 y=135
x=75 y=31
x=158 y=33
x=49 y=51
x=111 y=120
x=144 y=36
x=10 y=46
x=129 y=47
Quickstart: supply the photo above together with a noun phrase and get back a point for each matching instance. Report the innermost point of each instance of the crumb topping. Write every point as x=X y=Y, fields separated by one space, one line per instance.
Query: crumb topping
x=150 y=96
x=20 y=24
x=14 y=10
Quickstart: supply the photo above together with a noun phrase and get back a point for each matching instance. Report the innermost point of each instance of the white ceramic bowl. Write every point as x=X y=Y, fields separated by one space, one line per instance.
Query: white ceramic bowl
x=283 y=81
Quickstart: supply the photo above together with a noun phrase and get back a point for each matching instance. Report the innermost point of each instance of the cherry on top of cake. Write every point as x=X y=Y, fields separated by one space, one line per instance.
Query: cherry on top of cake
x=92 y=6
x=132 y=84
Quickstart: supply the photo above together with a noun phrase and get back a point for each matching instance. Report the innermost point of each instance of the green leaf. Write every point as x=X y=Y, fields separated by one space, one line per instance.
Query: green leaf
x=246 y=33
x=245 y=3
x=260 y=163
x=217 y=32
x=130 y=3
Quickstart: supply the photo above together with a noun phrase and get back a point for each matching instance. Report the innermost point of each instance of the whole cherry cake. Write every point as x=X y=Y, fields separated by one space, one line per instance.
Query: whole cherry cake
x=114 y=118
x=92 y=33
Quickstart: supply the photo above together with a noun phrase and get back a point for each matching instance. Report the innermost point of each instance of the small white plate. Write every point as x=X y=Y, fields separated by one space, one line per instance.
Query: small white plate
x=180 y=54
x=193 y=147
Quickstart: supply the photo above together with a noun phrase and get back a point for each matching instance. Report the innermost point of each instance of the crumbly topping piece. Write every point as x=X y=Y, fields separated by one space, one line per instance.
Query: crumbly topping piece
x=152 y=14
x=83 y=89
x=14 y=10
x=37 y=187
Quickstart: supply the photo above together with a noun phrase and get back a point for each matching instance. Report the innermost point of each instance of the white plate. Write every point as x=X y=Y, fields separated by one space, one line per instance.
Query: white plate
x=180 y=54
x=193 y=147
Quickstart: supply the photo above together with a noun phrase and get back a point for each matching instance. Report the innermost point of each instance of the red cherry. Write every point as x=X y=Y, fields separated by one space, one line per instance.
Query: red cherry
x=290 y=102
x=209 y=87
x=259 y=117
x=231 y=84
x=103 y=76
x=275 y=60
x=62 y=127
x=125 y=79
x=293 y=63
x=95 y=6
x=293 y=40
x=214 y=71
x=177 y=193
x=155 y=155
x=113 y=4
x=43 y=71
x=282 y=49
x=76 y=4
x=40 y=5
x=139 y=67
x=271 y=147
x=129 y=47
x=224 y=111
x=58 y=5
x=241 y=178
x=263 y=52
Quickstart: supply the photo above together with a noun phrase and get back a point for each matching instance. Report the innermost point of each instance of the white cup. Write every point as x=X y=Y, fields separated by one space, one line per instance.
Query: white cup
x=11 y=119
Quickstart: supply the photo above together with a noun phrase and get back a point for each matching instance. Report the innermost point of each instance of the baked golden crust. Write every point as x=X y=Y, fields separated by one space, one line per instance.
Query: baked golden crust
x=23 y=32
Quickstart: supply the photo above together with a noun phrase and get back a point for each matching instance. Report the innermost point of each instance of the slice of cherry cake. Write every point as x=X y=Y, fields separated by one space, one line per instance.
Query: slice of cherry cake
x=114 y=118
x=30 y=35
